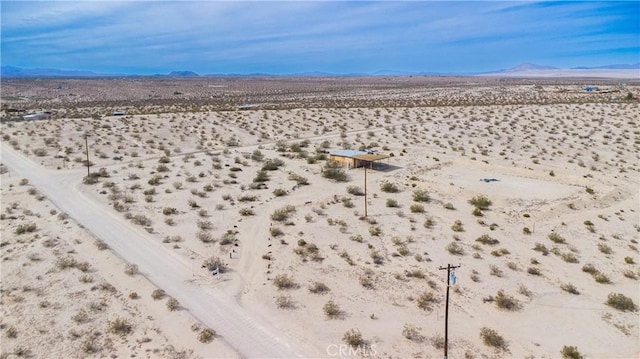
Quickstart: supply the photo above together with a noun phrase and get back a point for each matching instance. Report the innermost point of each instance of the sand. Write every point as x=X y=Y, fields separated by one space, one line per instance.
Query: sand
x=565 y=168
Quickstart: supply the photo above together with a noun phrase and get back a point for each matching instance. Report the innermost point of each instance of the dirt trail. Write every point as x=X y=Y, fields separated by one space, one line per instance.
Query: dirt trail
x=248 y=334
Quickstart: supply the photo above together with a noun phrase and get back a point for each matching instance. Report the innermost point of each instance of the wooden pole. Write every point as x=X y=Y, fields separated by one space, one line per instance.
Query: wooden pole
x=86 y=147
x=365 y=191
x=446 y=309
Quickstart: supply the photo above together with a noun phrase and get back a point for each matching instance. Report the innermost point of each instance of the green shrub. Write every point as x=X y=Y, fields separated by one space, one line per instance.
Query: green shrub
x=26 y=228
x=392 y=203
x=417 y=208
x=480 y=202
x=284 y=281
x=319 y=288
x=491 y=338
x=457 y=226
x=455 y=249
x=206 y=335
x=556 y=238
x=486 y=239
x=425 y=300
x=621 y=302
x=119 y=326
x=389 y=187
x=334 y=170
x=506 y=302
x=570 y=288
x=353 y=337
x=421 y=195
x=331 y=310
x=570 y=353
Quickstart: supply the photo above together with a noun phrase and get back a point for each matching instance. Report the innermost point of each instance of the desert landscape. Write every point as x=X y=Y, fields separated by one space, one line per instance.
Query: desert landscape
x=529 y=185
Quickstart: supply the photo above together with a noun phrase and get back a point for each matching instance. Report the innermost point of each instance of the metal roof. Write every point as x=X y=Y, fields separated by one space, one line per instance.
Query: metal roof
x=370 y=158
x=347 y=153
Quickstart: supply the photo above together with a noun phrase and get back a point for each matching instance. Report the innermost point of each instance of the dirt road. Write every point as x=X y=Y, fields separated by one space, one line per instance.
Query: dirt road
x=248 y=334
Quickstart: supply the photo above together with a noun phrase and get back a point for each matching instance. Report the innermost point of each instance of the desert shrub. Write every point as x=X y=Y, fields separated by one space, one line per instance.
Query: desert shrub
x=417 y=208
x=131 y=269
x=389 y=187
x=282 y=214
x=167 y=211
x=355 y=190
x=449 y=206
x=101 y=245
x=569 y=257
x=366 y=281
x=556 y=238
x=477 y=212
x=279 y=192
x=214 y=262
x=539 y=247
x=376 y=257
x=457 y=226
x=66 y=262
x=392 y=203
x=204 y=225
x=375 y=231
x=261 y=176
x=246 y=212
x=26 y=228
x=333 y=170
x=629 y=260
x=303 y=181
x=495 y=271
x=486 y=239
x=604 y=248
x=621 y=302
x=428 y=223
x=285 y=302
x=491 y=338
x=172 y=304
x=455 y=249
x=276 y=231
x=347 y=202
x=425 y=300
x=40 y=152
x=157 y=294
x=525 y=291
x=120 y=326
x=272 y=164
x=331 y=310
x=319 y=288
x=589 y=268
x=481 y=202
x=505 y=301
x=353 y=337
x=421 y=195
x=206 y=335
x=601 y=278
x=412 y=333
x=570 y=288
x=526 y=230
x=569 y=352
x=284 y=281
x=205 y=236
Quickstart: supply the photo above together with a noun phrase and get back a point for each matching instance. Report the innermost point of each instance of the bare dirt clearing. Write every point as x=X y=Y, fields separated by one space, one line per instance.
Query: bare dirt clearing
x=545 y=250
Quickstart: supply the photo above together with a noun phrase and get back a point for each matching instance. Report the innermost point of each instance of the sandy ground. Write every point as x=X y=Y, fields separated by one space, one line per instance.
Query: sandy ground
x=186 y=183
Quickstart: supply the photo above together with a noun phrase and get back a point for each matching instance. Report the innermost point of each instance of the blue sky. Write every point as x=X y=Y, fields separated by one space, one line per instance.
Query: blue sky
x=148 y=37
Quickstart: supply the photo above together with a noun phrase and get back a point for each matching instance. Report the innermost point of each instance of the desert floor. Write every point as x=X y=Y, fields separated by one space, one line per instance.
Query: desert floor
x=555 y=240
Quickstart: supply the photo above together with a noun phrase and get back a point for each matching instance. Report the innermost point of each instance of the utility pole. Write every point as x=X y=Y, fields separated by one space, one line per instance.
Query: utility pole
x=365 y=191
x=449 y=269
x=86 y=147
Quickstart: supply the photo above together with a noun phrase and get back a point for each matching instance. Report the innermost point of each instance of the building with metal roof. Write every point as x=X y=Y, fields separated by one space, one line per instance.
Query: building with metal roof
x=355 y=159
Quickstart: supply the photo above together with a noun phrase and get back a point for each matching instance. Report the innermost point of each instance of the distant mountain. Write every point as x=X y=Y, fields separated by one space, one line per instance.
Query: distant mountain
x=529 y=67
x=12 y=71
x=635 y=66
x=183 y=74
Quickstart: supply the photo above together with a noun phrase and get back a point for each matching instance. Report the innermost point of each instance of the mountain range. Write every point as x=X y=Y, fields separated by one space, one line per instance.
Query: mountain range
x=18 y=72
